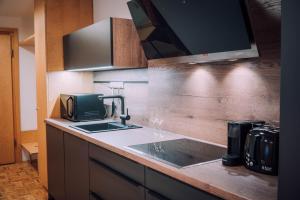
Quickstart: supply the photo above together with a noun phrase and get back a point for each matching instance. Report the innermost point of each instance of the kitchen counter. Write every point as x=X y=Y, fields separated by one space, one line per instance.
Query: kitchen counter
x=212 y=177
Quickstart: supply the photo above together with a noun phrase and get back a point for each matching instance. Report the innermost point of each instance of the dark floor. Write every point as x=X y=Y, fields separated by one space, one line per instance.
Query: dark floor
x=20 y=182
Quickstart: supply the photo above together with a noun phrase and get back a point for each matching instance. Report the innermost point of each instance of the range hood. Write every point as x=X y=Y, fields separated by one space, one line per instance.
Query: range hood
x=194 y=31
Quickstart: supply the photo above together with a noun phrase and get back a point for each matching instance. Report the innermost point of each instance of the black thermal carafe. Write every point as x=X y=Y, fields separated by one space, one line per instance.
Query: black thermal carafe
x=237 y=132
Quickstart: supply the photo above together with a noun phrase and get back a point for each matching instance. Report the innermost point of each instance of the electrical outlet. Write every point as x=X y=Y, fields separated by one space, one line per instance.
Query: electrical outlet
x=116 y=85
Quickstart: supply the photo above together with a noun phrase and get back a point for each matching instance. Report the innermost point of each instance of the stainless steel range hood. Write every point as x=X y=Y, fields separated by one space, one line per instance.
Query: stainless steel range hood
x=194 y=31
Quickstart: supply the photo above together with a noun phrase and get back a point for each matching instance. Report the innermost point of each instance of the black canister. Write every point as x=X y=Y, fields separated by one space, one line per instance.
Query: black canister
x=261 y=150
x=237 y=132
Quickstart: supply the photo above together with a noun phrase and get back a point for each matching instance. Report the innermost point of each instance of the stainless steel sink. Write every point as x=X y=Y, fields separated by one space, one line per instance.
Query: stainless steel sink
x=103 y=127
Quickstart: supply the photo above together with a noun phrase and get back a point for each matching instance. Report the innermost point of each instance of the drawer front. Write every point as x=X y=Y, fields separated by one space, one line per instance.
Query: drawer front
x=118 y=163
x=150 y=195
x=174 y=189
x=94 y=196
x=110 y=185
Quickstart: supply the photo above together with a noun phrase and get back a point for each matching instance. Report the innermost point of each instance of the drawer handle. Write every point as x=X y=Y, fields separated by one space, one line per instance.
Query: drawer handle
x=96 y=196
x=136 y=184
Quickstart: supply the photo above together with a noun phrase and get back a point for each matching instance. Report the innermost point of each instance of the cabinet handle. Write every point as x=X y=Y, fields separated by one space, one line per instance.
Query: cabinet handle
x=136 y=184
x=96 y=196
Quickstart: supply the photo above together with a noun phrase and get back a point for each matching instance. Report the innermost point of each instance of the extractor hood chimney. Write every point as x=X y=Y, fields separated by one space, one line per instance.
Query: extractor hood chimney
x=195 y=31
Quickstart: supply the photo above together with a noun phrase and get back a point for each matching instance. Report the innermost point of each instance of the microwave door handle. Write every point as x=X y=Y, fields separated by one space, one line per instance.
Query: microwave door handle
x=70 y=112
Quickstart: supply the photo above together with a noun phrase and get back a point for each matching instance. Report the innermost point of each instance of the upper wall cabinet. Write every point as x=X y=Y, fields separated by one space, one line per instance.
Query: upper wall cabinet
x=109 y=44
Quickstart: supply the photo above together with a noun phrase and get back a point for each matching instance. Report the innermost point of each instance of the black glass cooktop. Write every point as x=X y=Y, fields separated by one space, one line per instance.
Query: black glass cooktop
x=181 y=152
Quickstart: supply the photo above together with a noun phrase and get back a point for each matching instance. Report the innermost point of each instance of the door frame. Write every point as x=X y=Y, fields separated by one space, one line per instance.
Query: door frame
x=13 y=32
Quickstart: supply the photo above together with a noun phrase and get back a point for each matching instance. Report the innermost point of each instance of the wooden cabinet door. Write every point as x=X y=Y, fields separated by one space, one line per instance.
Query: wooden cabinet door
x=56 y=166
x=7 y=153
x=127 y=49
x=76 y=168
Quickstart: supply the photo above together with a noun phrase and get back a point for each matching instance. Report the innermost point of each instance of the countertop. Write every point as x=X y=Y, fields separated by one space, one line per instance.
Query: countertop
x=226 y=182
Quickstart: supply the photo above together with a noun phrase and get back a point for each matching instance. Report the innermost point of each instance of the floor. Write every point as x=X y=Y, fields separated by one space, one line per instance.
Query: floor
x=20 y=182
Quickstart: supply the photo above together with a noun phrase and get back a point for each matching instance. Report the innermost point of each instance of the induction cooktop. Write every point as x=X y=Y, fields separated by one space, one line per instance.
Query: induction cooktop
x=180 y=152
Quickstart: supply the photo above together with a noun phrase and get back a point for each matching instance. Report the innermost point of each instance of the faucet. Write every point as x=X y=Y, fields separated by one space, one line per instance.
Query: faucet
x=123 y=116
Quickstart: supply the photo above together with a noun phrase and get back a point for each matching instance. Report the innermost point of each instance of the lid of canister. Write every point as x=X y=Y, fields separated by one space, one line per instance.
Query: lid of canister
x=265 y=130
x=253 y=122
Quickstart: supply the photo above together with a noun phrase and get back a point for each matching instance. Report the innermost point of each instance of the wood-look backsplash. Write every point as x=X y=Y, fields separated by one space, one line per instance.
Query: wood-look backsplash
x=199 y=100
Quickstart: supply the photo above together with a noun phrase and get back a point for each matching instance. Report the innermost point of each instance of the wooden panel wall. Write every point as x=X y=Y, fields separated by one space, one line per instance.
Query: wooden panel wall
x=41 y=68
x=53 y=19
x=199 y=100
x=29 y=136
x=63 y=17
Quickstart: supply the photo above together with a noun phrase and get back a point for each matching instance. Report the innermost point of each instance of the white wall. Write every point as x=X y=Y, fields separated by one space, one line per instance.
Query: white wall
x=28 y=89
x=27 y=78
x=110 y=8
x=10 y=22
x=26 y=27
x=27 y=71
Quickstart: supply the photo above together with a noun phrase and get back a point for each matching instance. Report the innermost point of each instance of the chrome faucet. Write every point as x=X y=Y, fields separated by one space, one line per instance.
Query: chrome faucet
x=124 y=117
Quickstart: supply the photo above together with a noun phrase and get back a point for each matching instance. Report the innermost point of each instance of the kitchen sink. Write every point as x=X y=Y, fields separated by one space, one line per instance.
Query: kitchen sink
x=103 y=127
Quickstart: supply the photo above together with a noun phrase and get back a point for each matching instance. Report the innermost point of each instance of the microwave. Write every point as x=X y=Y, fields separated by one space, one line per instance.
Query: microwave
x=82 y=107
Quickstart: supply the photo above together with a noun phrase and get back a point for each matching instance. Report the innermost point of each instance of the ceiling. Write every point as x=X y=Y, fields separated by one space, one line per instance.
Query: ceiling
x=16 y=8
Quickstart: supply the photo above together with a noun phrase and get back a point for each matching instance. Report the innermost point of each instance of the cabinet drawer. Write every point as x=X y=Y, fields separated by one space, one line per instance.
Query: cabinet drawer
x=174 y=189
x=94 y=196
x=118 y=163
x=111 y=185
x=150 y=195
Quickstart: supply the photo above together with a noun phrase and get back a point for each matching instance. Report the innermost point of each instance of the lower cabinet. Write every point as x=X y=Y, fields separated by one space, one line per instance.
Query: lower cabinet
x=128 y=168
x=76 y=168
x=111 y=185
x=68 y=170
x=114 y=177
x=173 y=189
x=150 y=195
x=93 y=196
x=56 y=163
